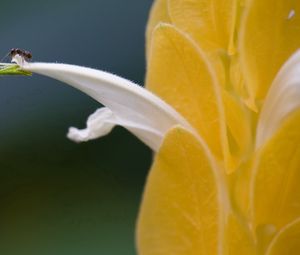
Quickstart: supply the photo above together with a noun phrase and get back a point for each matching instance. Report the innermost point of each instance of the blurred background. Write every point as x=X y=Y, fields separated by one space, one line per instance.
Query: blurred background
x=58 y=197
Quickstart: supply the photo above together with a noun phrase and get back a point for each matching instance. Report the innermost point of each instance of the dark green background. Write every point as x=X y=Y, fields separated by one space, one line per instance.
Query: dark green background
x=58 y=197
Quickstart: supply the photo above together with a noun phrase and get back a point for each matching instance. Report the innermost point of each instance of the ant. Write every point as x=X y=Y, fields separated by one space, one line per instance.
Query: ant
x=23 y=53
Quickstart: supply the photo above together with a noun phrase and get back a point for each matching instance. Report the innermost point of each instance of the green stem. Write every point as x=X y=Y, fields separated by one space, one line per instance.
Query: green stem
x=12 y=69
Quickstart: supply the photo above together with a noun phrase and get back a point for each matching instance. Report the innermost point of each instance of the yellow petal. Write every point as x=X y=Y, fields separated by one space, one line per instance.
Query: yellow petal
x=210 y=22
x=270 y=34
x=181 y=208
x=275 y=184
x=179 y=73
x=158 y=13
x=286 y=241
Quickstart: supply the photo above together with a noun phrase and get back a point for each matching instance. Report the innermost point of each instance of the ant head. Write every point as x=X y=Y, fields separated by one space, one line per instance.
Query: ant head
x=13 y=51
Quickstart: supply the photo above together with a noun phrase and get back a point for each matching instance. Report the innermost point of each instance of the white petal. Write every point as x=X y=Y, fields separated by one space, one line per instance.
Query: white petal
x=100 y=123
x=135 y=108
x=282 y=99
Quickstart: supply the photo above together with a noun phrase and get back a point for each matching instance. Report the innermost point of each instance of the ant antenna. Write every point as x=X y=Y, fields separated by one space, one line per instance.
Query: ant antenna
x=5 y=57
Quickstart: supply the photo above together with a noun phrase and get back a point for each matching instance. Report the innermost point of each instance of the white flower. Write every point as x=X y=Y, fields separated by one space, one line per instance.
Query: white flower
x=126 y=104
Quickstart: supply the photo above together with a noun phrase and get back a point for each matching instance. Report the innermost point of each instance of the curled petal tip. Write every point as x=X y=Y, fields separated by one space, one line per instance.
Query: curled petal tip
x=100 y=123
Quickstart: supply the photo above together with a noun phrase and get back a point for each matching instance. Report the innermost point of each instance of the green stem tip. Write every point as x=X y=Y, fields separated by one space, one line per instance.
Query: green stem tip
x=12 y=69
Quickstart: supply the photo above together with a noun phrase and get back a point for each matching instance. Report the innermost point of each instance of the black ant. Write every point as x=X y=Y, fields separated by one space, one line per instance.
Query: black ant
x=23 y=53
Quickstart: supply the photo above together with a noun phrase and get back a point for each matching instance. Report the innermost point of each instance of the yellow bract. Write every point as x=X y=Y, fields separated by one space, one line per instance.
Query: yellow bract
x=275 y=184
x=179 y=73
x=184 y=209
x=239 y=134
x=237 y=237
x=270 y=35
x=287 y=240
x=181 y=208
x=159 y=13
x=210 y=23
